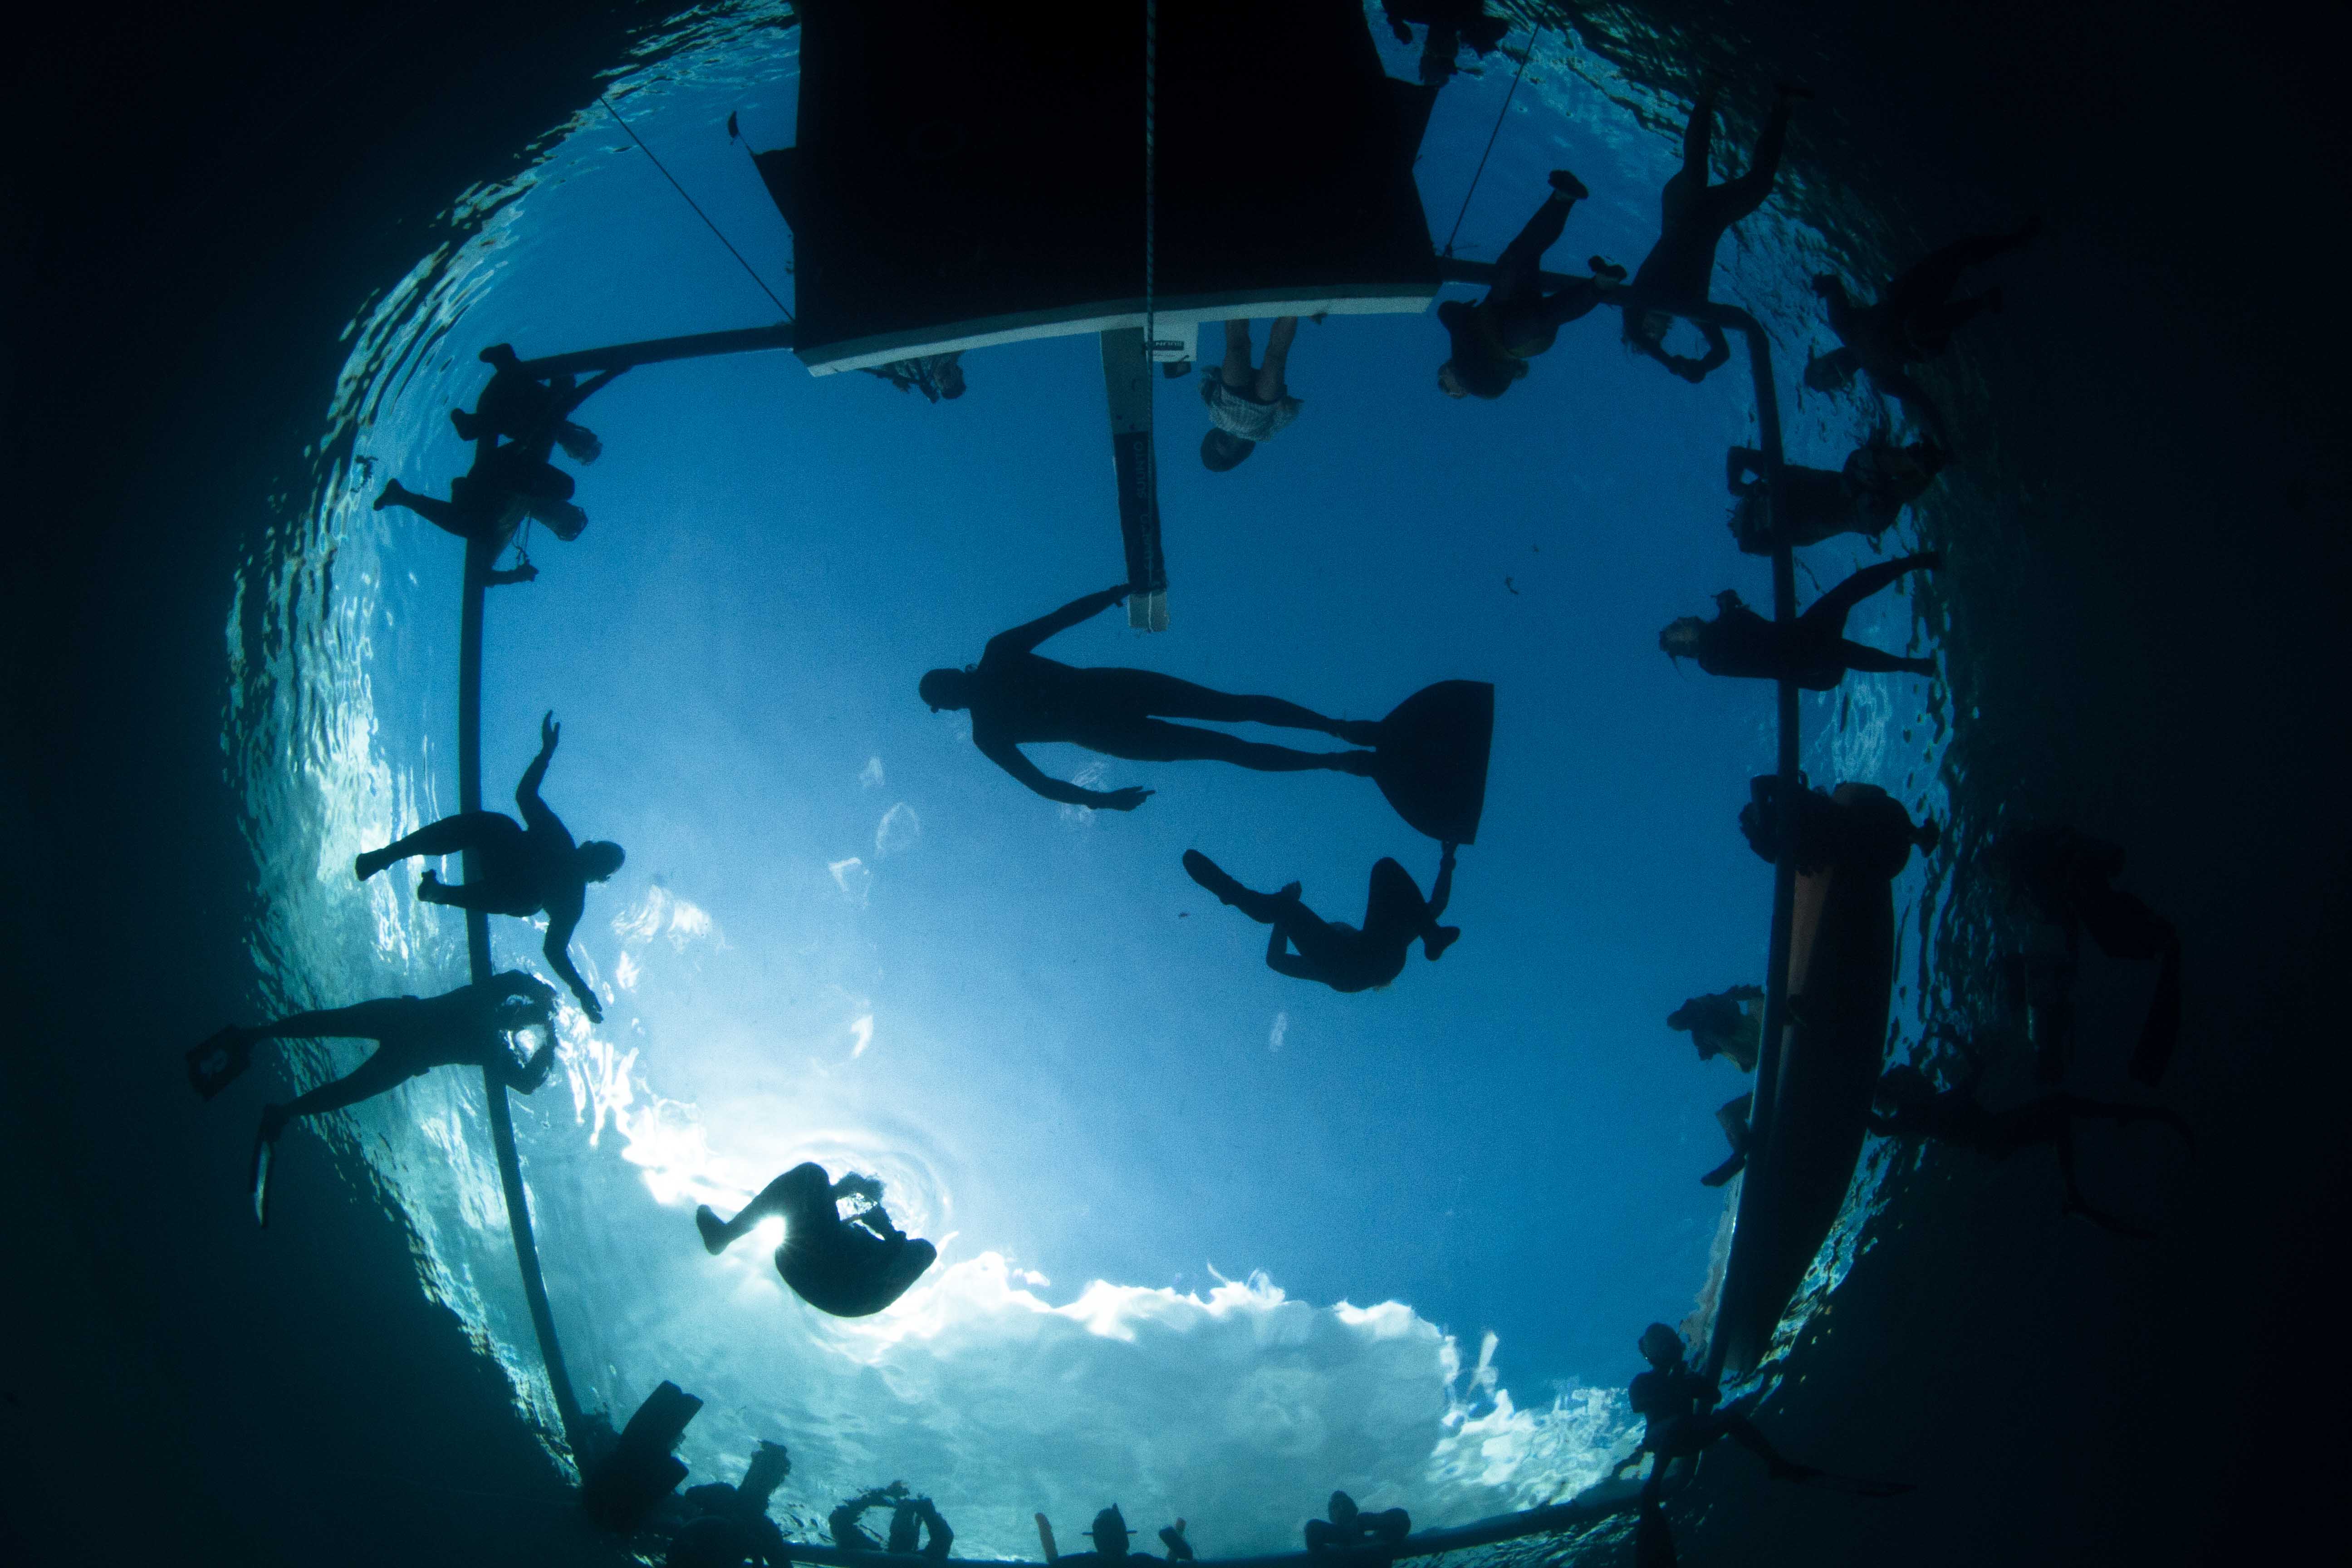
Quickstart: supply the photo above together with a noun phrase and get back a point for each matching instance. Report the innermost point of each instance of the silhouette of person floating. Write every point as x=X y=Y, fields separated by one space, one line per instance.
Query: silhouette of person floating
x=1452 y=24
x=1110 y=1533
x=512 y=478
x=1865 y=497
x=1517 y=320
x=1342 y=956
x=1681 y=1420
x=1675 y=277
x=1913 y=321
x=524 y=868
x=1350 y=1531
x=912 y=1518
x=732 y=1527
x=1727 y=1024
x=1247 y=405
x=1812 y=650
x=1018 y=699
x=466 y=1028
x=936 y=376
x=532 y=411
x=849 y=1269
x=1914 y=1108
x=2065 y=879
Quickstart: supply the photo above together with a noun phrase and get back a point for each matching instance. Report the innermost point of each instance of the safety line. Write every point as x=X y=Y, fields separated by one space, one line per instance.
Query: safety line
x=1536 y=39
x=689 y=201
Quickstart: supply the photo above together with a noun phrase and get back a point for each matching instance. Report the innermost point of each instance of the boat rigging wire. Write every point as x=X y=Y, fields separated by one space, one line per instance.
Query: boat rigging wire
x=1533 y=40
x=689 y=201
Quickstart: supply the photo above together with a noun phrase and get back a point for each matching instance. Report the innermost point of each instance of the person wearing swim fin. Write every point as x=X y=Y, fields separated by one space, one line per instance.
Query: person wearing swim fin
x=531 y=411
x=1694 y=215
x=1865 y=496
x=1248 y=405
x=524 y=869
x=1018 y=699
x=1517 y=320
x=1344 y=957
x=1351 y=1530
x=466 y=1028
x=1812 y=651
x=1913 y=321
x=2064 y=880
x=1452 y=24
x=1914 y=1108
x=1682 y=1417
x=732 y=1528
x=848 y=1268
x=1727 y=1024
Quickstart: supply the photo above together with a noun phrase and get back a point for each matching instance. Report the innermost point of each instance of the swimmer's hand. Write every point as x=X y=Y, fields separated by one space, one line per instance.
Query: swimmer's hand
x=1126 y=799
x=590 y=1005
x=549 y=729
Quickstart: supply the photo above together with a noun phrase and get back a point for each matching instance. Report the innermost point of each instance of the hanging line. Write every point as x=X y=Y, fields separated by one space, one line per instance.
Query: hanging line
x=1533 y=40
x=689 y=201
x=1151 y=179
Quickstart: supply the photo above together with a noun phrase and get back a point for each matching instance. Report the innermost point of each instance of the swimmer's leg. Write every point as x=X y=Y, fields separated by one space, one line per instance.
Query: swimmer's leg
x=1165 y=697
x=1236 y=371
x=1931 y=282
x=443 y=515
x=1875 y=661
x=450 y=835
x=1266 y=909
x=1269 y=383
x=1840 y=601
x=385 y=1069
x=1735 y=199
x=799 y=1191
x=1152 y=741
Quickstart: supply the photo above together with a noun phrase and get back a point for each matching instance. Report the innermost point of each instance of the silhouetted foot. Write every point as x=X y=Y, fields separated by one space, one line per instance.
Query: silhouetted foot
x=1926 y=836
x=1724 y=1171
x=463 y=423
x=1437 y=941
x=1569 y=185
x=1920 y=666
x=393 y=494
x=369 y=863
x=1210 y=875
x=715 y=1239
x=1923 y=560
x=1605 y=267
x=274 y=1119
x=430 y=890
x=1357 y=732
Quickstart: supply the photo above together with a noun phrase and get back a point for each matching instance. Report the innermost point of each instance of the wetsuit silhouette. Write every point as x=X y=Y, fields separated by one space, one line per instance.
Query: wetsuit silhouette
x=1865 y=497
x=1342 y=956
x=1913 y=321
x=1248 y=404
x=1812 y=650
x=733 y=1528
x=531 y=411
x=1109 y=1535
x=489 y=501
x=1017 y=698
x=464 y=1027
x=914 y=1520
x=2066 y=878
x=1452 y=24
x=1350 y=1531
x=1954 y=1115
x=1727 y=1024
x=934 y=375
x=843 y=1522
x=850 y=1268
x=1694 y=215
x=524 y=868
x=1517 y=320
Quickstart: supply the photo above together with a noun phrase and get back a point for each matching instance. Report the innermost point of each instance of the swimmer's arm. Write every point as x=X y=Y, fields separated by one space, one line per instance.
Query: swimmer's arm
x=1023 y=638
x=1013 y=761
x=1442 y=888
x=534 y=810
x=1282 y=960
x=527 y=1078
x=561 y=923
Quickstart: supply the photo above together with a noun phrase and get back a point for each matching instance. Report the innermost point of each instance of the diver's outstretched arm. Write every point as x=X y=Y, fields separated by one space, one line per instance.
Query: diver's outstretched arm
x=1442 y=888
x=527 y=1078
x=527 y=791
x=557 y=949
x=1014 y=762
x=1282 y=960
x=1023 y=638
x=571 y=400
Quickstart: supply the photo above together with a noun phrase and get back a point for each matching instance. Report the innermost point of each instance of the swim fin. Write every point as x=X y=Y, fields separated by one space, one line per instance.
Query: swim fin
x=264 y=1152
x=218 y=1061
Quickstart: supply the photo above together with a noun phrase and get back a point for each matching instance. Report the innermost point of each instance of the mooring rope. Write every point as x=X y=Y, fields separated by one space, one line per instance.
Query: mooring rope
x=1151 y=177
x=689 y=201
x=1533 y=40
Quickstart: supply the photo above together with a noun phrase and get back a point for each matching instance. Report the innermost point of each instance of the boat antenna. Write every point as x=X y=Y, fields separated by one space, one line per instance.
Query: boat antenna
x=1533 y=40
x=689 y=201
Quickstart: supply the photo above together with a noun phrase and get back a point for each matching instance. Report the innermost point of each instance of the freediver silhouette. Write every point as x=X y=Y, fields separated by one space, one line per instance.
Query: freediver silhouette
x=1692 y=218
x=1813 y=650
x=1349 y=1531
x=1344 y=957
x=1865 y=496
x=1681 y=1419
x=1517 y=320
x=848 y=1268
x=525 y=868
x=732 y=1527
x=2063 y=879
x=1248 y=404
x=1429 y=755
x=466 y=1028
x=531 y=411
x=1110 y=1534
x=1916 y=1108
x=1913 y=321
x=911 y=1518
x=1730 y=1024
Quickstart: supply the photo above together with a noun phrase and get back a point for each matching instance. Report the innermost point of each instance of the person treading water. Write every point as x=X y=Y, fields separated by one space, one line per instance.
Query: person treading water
x=911 y=1520
x=1018 y=699
x=1866 y=495
x=1730 y=1024
x=1914 y=1108
x=524 y=869
x=1812 y=651
x=469 y=1026
x=1913 y=321
x=530 y=410
x=849 y=1269
x=1692 y=218
x=1338 y=955
x=1248 y=405
x=1517 y=320
x=1682 y=1417
x=489 y=501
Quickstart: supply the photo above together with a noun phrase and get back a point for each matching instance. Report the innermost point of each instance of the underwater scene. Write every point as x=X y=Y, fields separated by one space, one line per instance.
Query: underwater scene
x=792 y=955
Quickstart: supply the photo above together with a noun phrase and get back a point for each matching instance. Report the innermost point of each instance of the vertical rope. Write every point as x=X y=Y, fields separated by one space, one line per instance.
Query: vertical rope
x=1151 y=176
x=1533 y=39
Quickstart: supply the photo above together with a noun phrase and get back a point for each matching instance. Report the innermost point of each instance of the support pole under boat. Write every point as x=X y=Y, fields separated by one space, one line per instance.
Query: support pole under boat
x=479 y=557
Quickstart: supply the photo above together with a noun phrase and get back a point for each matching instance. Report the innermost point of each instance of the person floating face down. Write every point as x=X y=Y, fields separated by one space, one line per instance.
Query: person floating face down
x=732 y=1528
x=1111 y=1535
x=1913 y=321
x=847 y=1269
x=1911 y=1107
x=1812 y=650
x=911 y=1520
x=1018 y=699
x=469 y=1026
x=1727 y=1024
x=1694 y=215
x=1865 y=496
x=1248 y=405
x=1451 y=24
x=936 y=376
x=2063 y=880
x=532 y=411
x=1338 y=955
x=1350 y=1532
x=1494 y=340
x=524 y=868
x=1681 y=1419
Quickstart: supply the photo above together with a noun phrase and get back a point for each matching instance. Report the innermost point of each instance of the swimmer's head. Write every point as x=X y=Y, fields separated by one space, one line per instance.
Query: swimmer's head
x=1484 y=378
x=1683 y=637
x=1222 y=451
x=946 y=688
x=501 y=355
x=1660 y=1345
x=599 y=859
x=951 y=380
